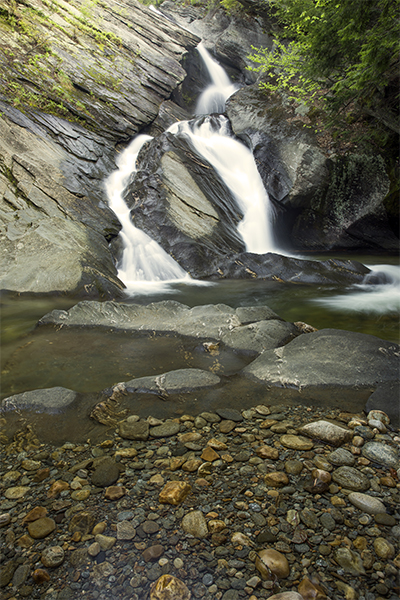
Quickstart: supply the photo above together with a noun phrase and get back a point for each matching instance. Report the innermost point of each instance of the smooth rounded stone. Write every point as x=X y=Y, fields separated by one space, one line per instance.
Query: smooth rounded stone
x=311 y=590
x=286 y=596
x=150 y=527
x=385 y=519
x=168 y=587
x=47 y=400
x=125 y=530
x=327 y=521
x=21 y=575
x=199 y=422
x=191 y=465
x=350 y=561
x=153 y=553
x=5 y=519
x=165 y=430
x=383 y=548
x=94 y=549
x=276 y=479
x=80 y=495
x=17 y=492
x=293 y=467
x=341 y=457
x=270 y=561
x=268 y=452
x=138 y=430
x=209 y=454
x=375 y=424
x=351 y=479
x=263 y=410
x=381 y=454
x=36 y=513
x=106 y=541
x=41 y=528
x=195 y=524
x=40 y=576
x=327 y=432
x=52 y=556
x=174 y=492
x=190 y=436
x=30 y=465
x=229 y=414
x=227 y=426
x=106 y=473
x=296 y=442
x=114 y=492
x=366 y=503
x=210 y=417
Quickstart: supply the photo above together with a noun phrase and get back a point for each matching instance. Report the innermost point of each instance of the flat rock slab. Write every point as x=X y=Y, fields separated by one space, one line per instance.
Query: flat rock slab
x=173 y=382
x=318 y=363
x=49 y=400
x=249 y=329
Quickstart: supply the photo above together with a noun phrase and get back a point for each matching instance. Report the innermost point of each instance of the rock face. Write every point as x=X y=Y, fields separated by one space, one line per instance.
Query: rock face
x=328 y=204
x=113 y=71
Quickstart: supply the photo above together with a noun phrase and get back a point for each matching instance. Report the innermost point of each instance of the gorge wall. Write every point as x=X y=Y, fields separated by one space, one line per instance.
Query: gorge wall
x=76 y=86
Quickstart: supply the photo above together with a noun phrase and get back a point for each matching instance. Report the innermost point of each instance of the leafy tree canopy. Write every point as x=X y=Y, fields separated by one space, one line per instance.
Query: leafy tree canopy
x=340 y=51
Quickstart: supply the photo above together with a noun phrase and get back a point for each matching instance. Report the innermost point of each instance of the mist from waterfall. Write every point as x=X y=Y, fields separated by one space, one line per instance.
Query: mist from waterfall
x=213 y=98
x=145 y=266
x=234 y=163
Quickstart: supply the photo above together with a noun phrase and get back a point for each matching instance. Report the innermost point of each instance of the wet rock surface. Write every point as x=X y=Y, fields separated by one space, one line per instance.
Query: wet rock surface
x=244 y=523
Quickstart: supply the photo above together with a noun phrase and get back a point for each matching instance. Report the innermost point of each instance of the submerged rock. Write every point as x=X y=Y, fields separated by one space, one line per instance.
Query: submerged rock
x=47 y=400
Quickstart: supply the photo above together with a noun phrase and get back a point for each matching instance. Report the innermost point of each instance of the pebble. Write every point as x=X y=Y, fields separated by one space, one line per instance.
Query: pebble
x=381 y=454
x=41 y=528
x=198 y=507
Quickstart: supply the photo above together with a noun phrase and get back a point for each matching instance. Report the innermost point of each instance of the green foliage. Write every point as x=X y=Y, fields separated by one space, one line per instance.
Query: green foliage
x=231 y=6
x=339 y=51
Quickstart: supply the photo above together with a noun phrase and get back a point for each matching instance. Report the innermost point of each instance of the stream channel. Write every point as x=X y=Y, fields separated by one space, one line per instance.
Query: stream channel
x=90 y=360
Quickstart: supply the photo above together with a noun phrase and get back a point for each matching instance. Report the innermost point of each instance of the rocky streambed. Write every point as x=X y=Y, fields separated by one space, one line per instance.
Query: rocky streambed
x=224 y=505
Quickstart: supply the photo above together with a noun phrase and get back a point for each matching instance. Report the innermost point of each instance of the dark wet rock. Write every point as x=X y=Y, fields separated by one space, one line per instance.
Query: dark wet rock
x=106 y=473
x=326 y=362
x=351 y=479
x=341 y=457
x=386 y=398
x=165 y=429
x=41 y=528
x=48 y=400
x=7 y=571
x=229 y=414
x=382 y=454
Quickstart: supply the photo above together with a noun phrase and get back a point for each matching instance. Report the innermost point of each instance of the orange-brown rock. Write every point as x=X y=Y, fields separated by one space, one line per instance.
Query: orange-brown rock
x=276 y=479
x=40 y=576
x=25 y=541
x=114 y=492
x=36 y=513
x=310 y=589
x=190 y=466
x=209 y=454
x=268 y=452
x=216 y=525
x=41 y=475
x=57 y=487
x=270 y=562
x=174 y=492
x=176 y=462
x=168 y=587
x=217 y=444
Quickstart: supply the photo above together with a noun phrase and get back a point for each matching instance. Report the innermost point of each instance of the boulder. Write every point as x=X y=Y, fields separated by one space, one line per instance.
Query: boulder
x=174 y=382
x=49 y=400
x=329 y=363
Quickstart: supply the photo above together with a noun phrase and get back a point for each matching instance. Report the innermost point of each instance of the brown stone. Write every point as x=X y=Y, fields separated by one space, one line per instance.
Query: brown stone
x=190 y=466
x=57 y=487
x=40 y=576
x=25 y=541
x=191 y=436
x=168 y=587
x=153 y=553
x=209 y=454
x=36 y=513
x=41 y=475
x=216 y=525
x=114 y=492
x=176 y=462
x=270 y=562
x=310 y=589
x=174 y=492
x=268 y=452
x=276 y=479
x=267 y=423
x=217 y=444
x=227 y=426
x=41 y=528
x=82 y=522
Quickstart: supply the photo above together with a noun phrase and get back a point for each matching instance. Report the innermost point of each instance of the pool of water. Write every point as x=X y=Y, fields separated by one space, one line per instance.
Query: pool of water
x=91 y=360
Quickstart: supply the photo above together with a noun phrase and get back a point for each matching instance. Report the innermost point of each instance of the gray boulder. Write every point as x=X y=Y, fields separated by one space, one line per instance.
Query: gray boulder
x=173 y=382
x=49 y=400
x=328 y=364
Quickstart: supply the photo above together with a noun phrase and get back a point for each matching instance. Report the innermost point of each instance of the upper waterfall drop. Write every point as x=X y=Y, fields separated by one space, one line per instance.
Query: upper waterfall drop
x=213 y=98
x=144 y=266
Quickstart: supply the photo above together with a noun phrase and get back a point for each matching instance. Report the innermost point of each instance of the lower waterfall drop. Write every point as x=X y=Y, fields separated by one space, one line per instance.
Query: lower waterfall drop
x=145 y=266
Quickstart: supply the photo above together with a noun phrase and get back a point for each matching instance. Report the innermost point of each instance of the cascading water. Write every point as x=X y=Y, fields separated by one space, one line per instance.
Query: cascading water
x=213 y=99
x=235 y=164
x=144 y=266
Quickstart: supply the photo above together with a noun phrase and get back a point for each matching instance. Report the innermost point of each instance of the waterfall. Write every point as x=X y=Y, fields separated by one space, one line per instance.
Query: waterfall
x=235 y=164
x=145 y=266
x=213 y=98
